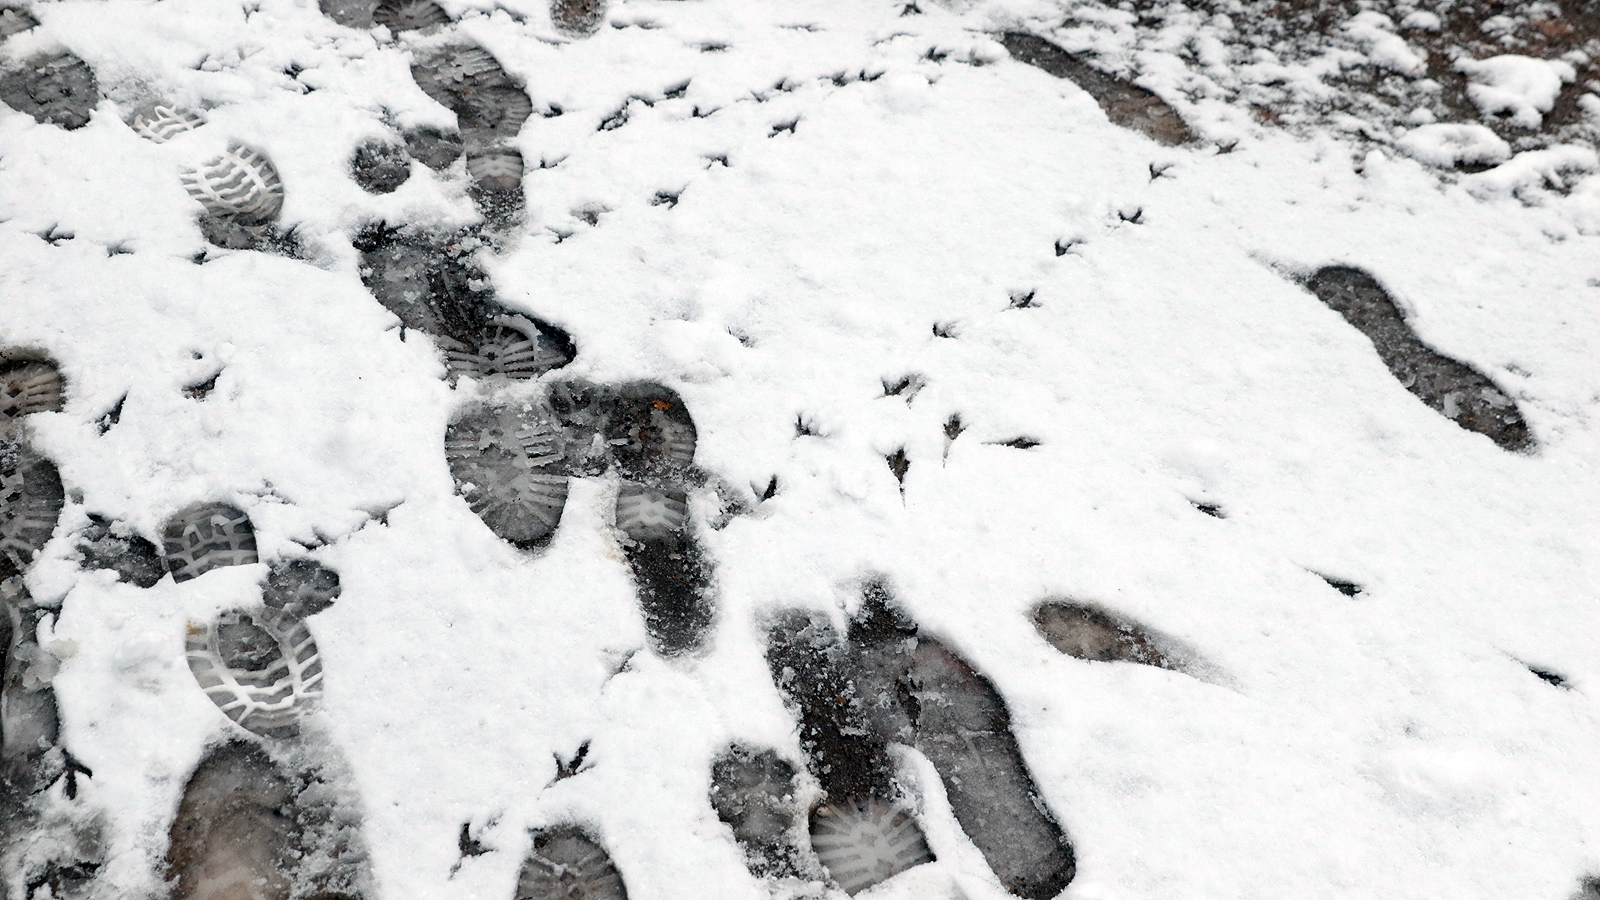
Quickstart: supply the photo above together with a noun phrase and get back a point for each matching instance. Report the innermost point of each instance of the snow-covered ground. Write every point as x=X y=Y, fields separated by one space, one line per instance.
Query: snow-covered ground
x=806 y=204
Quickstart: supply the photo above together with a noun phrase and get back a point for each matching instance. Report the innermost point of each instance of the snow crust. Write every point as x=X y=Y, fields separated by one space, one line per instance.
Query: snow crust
x=1390 y=744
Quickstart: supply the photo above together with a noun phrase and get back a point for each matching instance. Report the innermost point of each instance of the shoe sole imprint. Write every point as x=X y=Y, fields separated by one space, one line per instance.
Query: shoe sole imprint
x=261 y=670
x=380 y=167
x=450 y=74
x=864 y=842
x=241 y=185
x=433 y=147
x=57 y=89
x=1126 y=105
x=964 y=729
x=814 y=670
x=409 y=15
x=300 y=588
x=29 y=722
x=567 y=864
x=28 y=386
x=350 y=13
x=248 y=827
x=903 y=687
x=753 y=793
x=515 y=347
x=647 y=514
x=651 y=433
x=31 y=498
x=508 y=467
x=1085 y=632
x=135 y=560
x=670 y=579
x=497 y=171
x=207 y=536
x=160 y=123
x=1459 y=392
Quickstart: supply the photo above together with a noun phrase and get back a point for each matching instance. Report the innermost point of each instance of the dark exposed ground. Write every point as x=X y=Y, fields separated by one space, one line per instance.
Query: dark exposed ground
x=1304 y=65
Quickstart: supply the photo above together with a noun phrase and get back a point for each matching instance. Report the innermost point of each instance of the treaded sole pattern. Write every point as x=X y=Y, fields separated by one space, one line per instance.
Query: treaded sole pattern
x=261 y=670
x=206 y=536
x=28 y=386
x=866 y=841
x=567 y=864
x=508 y=467
x=31 y=498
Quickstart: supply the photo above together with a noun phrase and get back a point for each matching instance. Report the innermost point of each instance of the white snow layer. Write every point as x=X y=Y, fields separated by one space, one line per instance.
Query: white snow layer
x=1520 y=88
x=1449 y=145
x=1392 y=744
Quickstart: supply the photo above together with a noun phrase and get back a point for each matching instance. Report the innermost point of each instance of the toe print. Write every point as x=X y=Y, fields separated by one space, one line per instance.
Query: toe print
x=567 y=864
x=262 y=670
x=206 y=536
x=508 y=466
x=866 y=841
x=28 y=384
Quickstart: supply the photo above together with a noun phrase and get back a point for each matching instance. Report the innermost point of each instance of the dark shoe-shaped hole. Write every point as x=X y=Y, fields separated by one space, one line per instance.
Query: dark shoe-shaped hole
x=235 y=834
x=1087 y=632
x=136 y=560
x=567 y=864
x=1125 y=104
x=753 y=793
x=651 y=433
x=206 y=536
x=249 y=829
x=816 y=671
x=300 y=588
x=964 y=730
x=433 y=147
x=380 y=167
x=508 y=466
x=672 y=578
x=1459 y=392
x=866 y=841
x=31 y=498
x=57 y=89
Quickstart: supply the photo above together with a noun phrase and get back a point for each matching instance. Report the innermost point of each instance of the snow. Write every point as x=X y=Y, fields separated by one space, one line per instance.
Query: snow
x=1449 y=145
x=1389 y=744
x=1375 y=31
x=1519 y=87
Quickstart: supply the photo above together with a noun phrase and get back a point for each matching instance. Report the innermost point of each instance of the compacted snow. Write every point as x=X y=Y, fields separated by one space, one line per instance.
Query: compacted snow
x=1293 y=435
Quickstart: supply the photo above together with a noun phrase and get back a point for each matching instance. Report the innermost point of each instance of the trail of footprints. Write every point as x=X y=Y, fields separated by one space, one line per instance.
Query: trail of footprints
x=265 y=814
